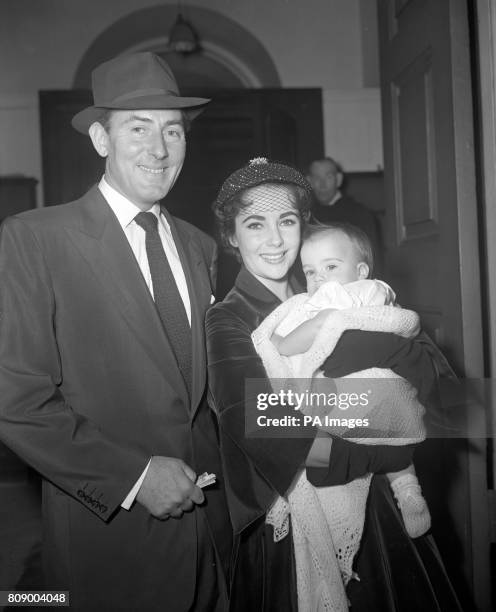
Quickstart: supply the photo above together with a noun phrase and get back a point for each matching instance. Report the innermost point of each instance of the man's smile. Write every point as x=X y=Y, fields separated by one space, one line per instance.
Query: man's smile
x=152 y=170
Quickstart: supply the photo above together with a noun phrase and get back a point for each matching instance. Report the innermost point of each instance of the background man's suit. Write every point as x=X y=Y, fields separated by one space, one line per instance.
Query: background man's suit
x=88 y=376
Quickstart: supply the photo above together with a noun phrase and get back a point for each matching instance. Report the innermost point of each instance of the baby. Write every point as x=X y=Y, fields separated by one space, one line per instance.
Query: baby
x=337 y=261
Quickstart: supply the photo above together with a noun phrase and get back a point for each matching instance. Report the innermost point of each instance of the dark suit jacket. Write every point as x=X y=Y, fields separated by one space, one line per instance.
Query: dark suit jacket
x=90 y=389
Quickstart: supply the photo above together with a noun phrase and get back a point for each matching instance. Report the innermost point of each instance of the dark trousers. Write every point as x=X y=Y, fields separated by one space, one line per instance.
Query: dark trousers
x=211 y=590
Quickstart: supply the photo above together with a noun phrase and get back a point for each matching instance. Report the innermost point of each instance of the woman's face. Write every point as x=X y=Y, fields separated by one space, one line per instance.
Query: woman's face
x=267 y=233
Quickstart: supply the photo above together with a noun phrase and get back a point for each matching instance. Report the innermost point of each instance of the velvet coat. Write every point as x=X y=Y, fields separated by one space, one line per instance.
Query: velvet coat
x=90 y=390
x=259 y=469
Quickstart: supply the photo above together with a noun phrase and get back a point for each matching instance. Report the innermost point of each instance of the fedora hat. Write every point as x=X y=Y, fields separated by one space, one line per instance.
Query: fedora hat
x=137 y=81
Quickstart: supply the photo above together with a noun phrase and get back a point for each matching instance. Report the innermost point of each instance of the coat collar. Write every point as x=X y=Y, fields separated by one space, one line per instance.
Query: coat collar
x=249 y=286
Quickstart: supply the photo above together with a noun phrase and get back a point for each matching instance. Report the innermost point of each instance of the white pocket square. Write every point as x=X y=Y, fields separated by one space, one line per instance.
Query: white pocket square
x=212 y=299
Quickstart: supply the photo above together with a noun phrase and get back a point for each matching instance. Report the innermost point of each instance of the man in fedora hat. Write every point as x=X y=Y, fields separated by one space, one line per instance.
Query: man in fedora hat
x=102 y=363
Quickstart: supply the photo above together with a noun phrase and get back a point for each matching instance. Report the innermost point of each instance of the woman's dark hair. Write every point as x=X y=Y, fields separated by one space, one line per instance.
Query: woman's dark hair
x=357 y=236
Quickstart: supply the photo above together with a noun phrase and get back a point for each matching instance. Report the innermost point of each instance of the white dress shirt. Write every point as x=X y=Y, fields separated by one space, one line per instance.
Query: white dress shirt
x=126 y=211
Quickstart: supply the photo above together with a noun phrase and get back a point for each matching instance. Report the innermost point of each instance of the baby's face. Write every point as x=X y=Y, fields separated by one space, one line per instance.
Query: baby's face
x=331 y=256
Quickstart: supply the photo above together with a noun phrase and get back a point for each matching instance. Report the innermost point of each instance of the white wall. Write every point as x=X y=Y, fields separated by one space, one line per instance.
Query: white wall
x=314 y=43
x=353 y=128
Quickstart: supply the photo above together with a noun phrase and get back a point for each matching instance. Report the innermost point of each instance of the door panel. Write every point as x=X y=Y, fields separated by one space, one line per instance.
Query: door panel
x=70 y=165
x=431 y=257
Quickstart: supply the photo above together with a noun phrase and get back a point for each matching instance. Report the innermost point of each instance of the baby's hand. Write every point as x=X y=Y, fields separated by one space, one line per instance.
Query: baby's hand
x=276 y=340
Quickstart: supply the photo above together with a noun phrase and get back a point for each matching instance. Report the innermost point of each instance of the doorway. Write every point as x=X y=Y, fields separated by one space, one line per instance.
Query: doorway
x=432 y=257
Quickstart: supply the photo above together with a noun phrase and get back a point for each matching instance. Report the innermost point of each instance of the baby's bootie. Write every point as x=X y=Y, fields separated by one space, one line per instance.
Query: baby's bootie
x=412 y=505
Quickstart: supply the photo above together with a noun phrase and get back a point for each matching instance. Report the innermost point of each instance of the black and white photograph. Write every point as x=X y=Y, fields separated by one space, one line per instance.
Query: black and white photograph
x=248 y=305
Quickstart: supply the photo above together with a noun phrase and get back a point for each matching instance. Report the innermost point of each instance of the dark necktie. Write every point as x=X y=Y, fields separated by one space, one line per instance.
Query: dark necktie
x=168 y=300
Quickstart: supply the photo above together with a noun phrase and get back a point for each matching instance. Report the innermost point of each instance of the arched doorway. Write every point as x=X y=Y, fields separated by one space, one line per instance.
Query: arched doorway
x=250 y=115
x=230 y=55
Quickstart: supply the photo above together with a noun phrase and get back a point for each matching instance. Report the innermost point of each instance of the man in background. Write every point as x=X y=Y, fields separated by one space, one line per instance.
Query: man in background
x=326 y=178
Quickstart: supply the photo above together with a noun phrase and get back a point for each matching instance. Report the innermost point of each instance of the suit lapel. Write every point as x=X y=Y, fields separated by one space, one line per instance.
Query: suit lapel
x=193 y=265
x=105 y=248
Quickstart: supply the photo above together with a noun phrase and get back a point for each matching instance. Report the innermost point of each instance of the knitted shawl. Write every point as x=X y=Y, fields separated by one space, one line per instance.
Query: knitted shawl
x=328 y=521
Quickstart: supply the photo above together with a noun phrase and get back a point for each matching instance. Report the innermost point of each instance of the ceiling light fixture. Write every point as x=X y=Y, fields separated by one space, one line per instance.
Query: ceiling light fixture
x=183 y=38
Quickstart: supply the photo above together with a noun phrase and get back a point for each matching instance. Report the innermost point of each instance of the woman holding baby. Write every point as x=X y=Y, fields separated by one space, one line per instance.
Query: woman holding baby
x=261 y=212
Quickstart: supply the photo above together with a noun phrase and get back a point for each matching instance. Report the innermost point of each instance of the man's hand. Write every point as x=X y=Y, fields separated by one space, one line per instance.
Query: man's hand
x=169 y=488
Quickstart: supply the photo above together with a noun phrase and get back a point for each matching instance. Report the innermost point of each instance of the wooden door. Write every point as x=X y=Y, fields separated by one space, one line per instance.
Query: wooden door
x=432 y=258
x=283 y=124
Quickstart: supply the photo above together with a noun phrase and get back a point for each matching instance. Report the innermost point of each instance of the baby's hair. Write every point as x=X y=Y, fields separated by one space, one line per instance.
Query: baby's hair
x=358 y=238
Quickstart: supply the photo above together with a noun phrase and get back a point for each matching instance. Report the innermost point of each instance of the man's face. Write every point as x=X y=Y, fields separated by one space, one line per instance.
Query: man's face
x=325 y=180
x=145 y=152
